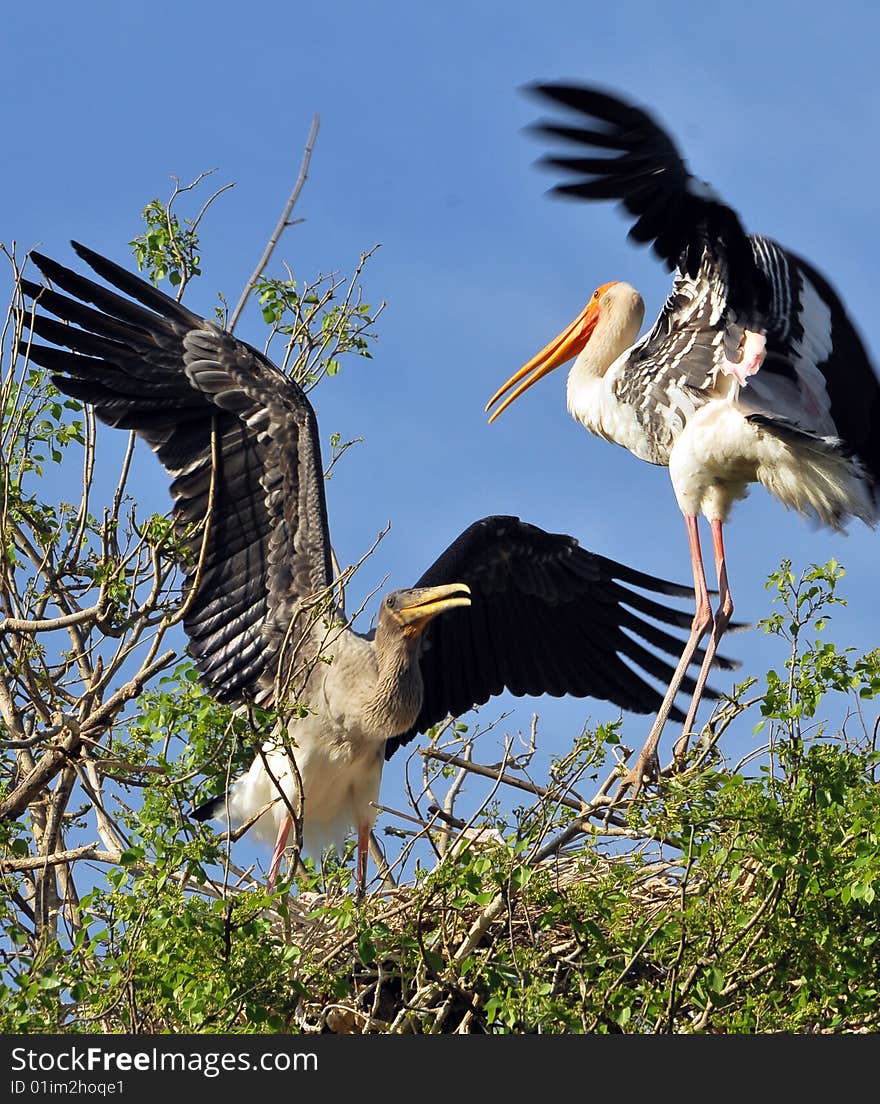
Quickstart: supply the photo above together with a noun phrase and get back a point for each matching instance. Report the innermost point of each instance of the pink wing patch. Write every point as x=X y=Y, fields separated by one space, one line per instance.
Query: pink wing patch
x=754 y=348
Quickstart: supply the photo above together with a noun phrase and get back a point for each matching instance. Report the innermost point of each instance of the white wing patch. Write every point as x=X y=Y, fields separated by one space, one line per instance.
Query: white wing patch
x=814 y=349
x=702 y=189
x=802 y=401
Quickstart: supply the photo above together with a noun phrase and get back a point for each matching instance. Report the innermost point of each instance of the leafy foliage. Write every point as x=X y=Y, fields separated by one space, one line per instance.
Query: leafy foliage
x=318 y=330
x=728 y=898
x=166 y=249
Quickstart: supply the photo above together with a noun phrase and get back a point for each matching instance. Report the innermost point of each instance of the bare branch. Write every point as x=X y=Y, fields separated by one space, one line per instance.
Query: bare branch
x=49 y=624
x=38 y=862
x=54 y=758
x=282 y=225
x=507 y=779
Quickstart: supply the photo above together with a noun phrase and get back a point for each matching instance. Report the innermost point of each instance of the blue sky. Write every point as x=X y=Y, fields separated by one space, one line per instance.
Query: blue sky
x=421 y=151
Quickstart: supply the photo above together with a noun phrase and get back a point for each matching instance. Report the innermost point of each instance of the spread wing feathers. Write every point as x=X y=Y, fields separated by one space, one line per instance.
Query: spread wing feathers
x=816 y=377
x=223 y=420
x=814 y=364
x=546 y=616
x=680 y=215
x=677 y=366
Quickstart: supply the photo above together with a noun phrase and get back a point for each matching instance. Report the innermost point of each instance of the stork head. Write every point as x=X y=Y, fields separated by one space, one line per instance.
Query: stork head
x=410 y=611
x=614 y=302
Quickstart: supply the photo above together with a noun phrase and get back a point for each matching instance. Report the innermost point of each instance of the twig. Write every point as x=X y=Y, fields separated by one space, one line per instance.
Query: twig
x=54 y=758
x=282 y=225
x=382 y=868
x=37 y=862
x=48 y=624
x=495 y=775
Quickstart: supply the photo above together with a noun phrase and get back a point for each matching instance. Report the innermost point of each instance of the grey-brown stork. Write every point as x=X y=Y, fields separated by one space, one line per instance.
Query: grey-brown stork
x=752 y=373
x=505 y=606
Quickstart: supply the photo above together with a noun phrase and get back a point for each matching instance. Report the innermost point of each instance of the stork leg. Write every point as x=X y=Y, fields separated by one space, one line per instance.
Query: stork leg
x=280 y=844
x=647 y=762
x=363 y=846
x=722 y=620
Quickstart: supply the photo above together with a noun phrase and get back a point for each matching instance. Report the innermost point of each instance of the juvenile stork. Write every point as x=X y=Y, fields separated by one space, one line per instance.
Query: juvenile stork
x=506 y=605
x=752 y=372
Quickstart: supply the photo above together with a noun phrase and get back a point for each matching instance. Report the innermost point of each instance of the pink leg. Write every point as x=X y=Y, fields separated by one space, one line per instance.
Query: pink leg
x=647 y=761
x=280 y=844
x=722 y=620
x=363 y=847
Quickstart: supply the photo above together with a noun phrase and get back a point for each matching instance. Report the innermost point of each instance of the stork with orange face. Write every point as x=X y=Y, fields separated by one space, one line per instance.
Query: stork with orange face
x=752 y=372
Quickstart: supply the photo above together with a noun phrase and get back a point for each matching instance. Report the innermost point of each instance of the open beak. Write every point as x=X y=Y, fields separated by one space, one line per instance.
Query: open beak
x=424 y=603
x=560 y=350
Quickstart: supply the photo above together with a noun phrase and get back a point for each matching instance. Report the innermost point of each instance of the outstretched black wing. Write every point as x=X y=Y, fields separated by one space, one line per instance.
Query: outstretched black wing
x=546 y=617
x=680 y=215
x=727 y=281
x=213 y=409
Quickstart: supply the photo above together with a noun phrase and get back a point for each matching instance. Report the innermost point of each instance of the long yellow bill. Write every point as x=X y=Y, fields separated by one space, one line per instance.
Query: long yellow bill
x=422 y=604
x=560 y=350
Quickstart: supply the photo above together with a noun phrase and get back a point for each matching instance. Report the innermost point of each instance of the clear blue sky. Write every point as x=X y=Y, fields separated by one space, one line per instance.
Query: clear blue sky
x=421 y=150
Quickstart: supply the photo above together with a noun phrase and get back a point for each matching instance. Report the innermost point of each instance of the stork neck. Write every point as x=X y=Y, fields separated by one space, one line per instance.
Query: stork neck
x=398 y=693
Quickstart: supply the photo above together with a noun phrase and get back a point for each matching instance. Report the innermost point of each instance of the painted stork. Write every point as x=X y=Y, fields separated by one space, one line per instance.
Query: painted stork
x=506 y=605
x=752 y=373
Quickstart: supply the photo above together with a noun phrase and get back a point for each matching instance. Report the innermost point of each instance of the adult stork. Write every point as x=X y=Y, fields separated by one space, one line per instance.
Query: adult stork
x=752 y=372
x=506 y=605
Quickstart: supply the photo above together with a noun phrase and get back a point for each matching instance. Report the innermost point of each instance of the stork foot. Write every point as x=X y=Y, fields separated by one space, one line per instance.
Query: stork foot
x=363 y=844
x=646 y=768
x=278 y=852
x=679 y=749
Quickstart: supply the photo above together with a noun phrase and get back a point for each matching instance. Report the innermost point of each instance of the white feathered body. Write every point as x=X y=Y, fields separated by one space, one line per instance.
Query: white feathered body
x=338 y=747
x=718 y=434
